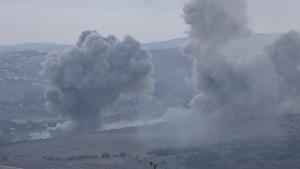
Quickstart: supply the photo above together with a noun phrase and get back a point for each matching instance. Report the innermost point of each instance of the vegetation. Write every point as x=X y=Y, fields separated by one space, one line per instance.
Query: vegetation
x=241 y=154
x=52 y=158
x=3 y=158
x=106 y=155
x=174 y=151
x=123 y=155
x=70 y=158
x=82 y=157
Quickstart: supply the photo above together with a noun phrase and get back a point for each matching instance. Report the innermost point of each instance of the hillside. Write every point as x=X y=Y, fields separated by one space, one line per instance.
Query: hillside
x=131 y=142
x=127 y=149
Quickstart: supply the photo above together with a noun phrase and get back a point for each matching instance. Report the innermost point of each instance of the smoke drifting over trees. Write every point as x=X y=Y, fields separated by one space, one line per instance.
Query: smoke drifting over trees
x=84 y=80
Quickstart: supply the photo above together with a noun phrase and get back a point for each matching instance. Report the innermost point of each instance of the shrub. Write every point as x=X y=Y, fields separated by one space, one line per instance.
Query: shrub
x=123 y=155
x=106 y=155
x=3 y=158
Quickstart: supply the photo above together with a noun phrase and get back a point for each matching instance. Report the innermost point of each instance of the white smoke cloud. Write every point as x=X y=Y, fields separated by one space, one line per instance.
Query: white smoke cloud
x=84 y=80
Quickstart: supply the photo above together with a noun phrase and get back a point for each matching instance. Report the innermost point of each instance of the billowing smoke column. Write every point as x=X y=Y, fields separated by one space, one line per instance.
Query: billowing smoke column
x=236 y=97
x=212 y=24
x=285 y=55
x=84 y=80
x=225 y=85
x=215 y=22
x=234 y=94
x=230 y=93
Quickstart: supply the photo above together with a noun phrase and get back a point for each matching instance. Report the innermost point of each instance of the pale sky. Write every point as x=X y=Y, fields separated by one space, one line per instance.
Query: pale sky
x=61 y=21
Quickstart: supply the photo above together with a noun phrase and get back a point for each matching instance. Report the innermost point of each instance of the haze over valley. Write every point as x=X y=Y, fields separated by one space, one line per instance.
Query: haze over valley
x=220 y=96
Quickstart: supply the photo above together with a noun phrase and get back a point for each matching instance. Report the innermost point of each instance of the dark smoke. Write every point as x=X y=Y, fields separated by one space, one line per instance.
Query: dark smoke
x=84 y=80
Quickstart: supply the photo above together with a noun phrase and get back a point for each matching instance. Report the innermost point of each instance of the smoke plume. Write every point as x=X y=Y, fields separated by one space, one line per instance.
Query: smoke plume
x=235 y=97
x=84 y=80
x=285 y=56
x=225 y=85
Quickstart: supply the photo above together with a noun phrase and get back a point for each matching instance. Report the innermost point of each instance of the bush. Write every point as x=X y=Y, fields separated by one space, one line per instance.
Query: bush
x=51 y=158
x=3 y=158
x=106 y=155
x=123 y=155
x=164 y=152
x=71 y=158
x=81 y=157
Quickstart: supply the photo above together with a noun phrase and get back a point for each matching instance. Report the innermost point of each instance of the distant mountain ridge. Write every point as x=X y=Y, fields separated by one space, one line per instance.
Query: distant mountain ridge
x=40 y=47
x=171 y=68
x=257 y=39
x=166 y=44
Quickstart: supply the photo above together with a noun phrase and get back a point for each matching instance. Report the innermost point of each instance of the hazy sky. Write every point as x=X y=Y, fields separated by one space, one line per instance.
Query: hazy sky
x=61 y=21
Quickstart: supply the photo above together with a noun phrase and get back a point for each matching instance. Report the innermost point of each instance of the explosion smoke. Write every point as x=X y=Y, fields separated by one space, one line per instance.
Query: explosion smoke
x=84 y=80
x=234 y=95
x=225 y=85
x=285 y=55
